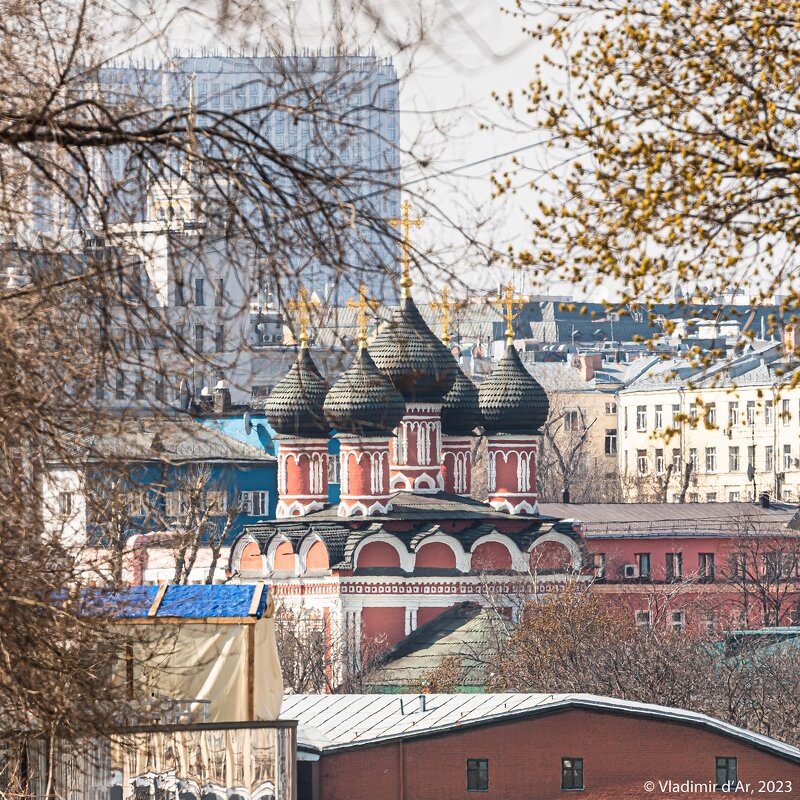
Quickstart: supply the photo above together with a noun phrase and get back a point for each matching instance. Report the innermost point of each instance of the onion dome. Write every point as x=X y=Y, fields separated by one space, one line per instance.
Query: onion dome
x=413 y=357
x=511 y=400
x=461 y=413
x=294 y=406
x=363 y=401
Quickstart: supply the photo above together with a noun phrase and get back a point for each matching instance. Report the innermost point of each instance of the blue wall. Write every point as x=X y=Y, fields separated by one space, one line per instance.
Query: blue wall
x=263 y=436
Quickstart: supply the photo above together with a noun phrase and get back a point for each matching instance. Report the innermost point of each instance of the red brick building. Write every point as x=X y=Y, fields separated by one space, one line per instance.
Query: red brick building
x=526 y=747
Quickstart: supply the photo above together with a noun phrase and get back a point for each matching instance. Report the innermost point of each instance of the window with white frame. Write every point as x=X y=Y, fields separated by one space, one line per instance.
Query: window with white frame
x=676 y=460
x=693 y=458
x=254 y=503
x=769 y=458
x=787 y=456
x=599 y=560
x=571 y=420
x=610 y=442
x=751 y=412
x=769 y=412
x=711 y=414
x=641 y=418
x=693 y=411
x=643 y=619
x=733 y=459
x=65 y=502
x=660 y=464
x=173 y=503
x=333 y=468
x=676 y=415
x=216 y=502
x=659 y=417
x=611 y=408
x=711 y=459
x=641 y=462
x=677 y=620
x=785 y=412
x=733 y=414
x=733 y=497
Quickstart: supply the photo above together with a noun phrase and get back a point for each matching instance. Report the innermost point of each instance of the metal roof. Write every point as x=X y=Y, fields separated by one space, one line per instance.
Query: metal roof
x=670 y=519
x=335 y=722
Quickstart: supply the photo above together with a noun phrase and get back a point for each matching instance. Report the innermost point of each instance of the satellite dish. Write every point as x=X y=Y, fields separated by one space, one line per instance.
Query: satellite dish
x=248 y=423
x=185 y=394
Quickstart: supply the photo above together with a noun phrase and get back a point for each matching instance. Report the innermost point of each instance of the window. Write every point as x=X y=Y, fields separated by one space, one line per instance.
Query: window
x=219 y=292
x=179 y=297
x=785 y=414
x=660 y=467
x=99 y=388
x=677 y=620
x=641 y=462
x=711 y=414
x=643 y=619
x=219 y=339
x=694 y=497
x=705 y=567
x=769 y=412
x=611 y=441
x=199 y=292
x=674 y=566
x=659 y=417
x=787 y=456
x=641 y=418
x=138 y=389
x=733 y=414
x=571 y=774
x=751 y=456
x=676 y=460
x=611 y=408
x=711 y=459
x=477 y=774
x=173 y=504
x=333 y=469
x=708 y=620
x=643 y=562
x=733 y=497
x=733 y=459
x=693 y=411
x=261 y=503
x=773 y=565
x=571 y=420
x=751 y=412
x=693 y=458
x=119 y=389
x=199 y=337
x=711 y=497
x=676 y=413
x=599 y=560
x=726 y=773
x=65 y=503
x=769 y=458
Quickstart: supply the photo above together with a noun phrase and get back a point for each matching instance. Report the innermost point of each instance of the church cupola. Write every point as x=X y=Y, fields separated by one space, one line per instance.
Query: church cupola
x=423 y=370
x=363 y=407
x=460 y=416
x=294 y=409
x=514 y=407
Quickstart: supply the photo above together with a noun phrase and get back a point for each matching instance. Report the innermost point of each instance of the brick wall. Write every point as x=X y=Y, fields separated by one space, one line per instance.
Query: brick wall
x=620 y=753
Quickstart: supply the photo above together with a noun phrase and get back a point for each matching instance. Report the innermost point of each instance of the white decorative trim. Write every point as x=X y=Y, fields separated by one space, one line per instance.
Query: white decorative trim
x=239 y=548
x=427 y=483
x=462 y=557
x=276 y=540
x=560 y=538
x=501 y=503
x=406 y=558
x=349 y=508
x=519 y=563
x=306 y=545
x=285 y=509
x=399 y=483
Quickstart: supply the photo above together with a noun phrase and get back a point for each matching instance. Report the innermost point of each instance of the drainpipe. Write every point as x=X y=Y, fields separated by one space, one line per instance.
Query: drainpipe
x=402 y=776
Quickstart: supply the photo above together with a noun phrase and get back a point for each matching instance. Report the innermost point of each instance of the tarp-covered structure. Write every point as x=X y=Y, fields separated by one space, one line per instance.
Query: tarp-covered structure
x=208 y=651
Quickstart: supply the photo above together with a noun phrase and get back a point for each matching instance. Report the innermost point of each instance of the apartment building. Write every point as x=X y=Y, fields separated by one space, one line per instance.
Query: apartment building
x=730 y=432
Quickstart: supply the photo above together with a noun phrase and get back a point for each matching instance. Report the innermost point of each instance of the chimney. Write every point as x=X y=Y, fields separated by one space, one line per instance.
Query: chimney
x=222 y=397
x=764 y=499
x=586 y=366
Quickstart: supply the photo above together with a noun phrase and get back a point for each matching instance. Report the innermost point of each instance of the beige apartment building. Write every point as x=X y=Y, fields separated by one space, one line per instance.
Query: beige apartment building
x=727 y=433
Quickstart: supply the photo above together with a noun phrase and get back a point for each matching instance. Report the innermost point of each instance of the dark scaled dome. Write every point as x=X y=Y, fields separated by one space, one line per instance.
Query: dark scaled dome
x=363 y=401
x=294 y=406
x=511 y=400
x=461 y=413
x=412 y=357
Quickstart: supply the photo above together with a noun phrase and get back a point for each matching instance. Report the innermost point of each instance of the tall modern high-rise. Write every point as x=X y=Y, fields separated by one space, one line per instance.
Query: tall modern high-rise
x=306 y=132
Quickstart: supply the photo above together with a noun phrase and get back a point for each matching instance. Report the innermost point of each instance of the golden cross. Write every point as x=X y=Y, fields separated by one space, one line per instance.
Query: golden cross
x=508 y=300
x=406 y=223
x=445 y=307
x=304 y=305
x=362 y=304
